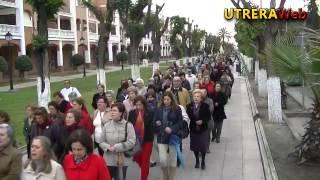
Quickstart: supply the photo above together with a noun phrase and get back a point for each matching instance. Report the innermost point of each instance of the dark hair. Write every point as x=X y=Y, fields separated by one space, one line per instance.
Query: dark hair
x=83 y=137
x=174 y=104
x=57 y=93
x=182 y=74
x=141 y=99
x=5 y=115
x=120 y=107
x=80 y=101
x=125 y=85
x=105 y=100
x=150 y=94
x=152 y=87
x=55 y=105
x=76 y=114
x=41 y=111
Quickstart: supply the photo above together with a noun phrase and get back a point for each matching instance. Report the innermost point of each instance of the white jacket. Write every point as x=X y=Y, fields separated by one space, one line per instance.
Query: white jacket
x=56 y=173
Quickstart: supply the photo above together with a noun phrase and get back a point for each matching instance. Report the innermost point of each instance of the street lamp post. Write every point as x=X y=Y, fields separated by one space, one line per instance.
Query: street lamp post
x=8 y=37
x=83 y=55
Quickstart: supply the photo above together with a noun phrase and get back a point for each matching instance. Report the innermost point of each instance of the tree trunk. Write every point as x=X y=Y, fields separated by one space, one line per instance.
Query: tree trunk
x=155 y=67
x=274 y=100
x=262 y=83
x=43 y=85
x=157 y=50
x=133 y=59
x=102 y=45
x=122 y=66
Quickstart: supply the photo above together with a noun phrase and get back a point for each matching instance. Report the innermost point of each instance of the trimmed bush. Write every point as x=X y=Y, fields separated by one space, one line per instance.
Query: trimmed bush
x=142 y=55
x=122 y=57
x=77 y=60
x=23 y=63
x=3 y=65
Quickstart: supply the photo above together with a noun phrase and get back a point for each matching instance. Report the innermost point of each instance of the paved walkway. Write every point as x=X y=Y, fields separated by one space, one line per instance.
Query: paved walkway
x=237 y=157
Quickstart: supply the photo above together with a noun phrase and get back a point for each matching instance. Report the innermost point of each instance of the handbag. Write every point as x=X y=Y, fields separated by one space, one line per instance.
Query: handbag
x=184 y=131
x=137 y=146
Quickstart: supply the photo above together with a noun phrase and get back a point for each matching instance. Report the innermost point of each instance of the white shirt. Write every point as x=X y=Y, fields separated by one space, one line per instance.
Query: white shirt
x=192 y=79
x=65 y=92
x=97 y=123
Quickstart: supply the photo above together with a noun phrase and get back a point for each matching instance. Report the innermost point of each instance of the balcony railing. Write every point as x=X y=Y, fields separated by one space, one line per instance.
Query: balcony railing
x=56 y=34
x=13 y=29
x=93 y=37
x=9 y=3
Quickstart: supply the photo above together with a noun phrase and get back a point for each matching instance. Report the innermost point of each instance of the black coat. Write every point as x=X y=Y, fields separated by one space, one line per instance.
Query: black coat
x=218 y=112
x=204 y=115
x=175 y=122
x=95 y=99
x=148 y=124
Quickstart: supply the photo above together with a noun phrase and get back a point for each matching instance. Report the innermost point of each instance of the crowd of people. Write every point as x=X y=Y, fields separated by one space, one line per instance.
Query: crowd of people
x=65 y=141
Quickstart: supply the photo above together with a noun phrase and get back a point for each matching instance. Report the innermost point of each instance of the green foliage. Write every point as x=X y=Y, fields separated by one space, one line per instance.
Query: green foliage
x=150 y=55
x=39 y=42
x=23 y=63
x=177 y=24
x=212 y=44
x=246 y=36
x=3 y=65
x=77 y=60
x=122 y=56
x=198 y=36
x=313 y=20
x=51 y=6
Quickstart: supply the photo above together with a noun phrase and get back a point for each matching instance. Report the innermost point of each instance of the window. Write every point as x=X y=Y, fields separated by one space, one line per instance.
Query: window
x=113 y=30
x=78 y=24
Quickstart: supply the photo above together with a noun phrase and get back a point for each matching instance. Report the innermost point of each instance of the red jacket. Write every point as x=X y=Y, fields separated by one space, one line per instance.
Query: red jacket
x=210 y=87
x=86 y=122
x=94 y=167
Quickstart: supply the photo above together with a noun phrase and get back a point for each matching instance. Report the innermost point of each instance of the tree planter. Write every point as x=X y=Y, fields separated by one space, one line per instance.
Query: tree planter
x=274 y=100
x=262 y=83
x=256 y=71
x=43 y=97
x=101 y=77
x=154 y=67
x=135 y=71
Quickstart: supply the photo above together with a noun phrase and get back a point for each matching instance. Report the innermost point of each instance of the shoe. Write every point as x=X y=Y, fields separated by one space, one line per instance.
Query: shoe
x=208 y=151
x=212 y=139
x=197 y=164
x=218 y=140
x=153 y=164
x=203 y=166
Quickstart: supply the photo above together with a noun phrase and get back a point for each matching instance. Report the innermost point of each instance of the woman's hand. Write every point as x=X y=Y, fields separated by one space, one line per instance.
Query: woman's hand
x=111 y=149
x=216 y=104
x=168 y=130
x=158 y=123
x=199 y=122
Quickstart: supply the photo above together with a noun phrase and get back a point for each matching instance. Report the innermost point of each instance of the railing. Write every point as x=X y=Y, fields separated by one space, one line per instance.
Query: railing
x=13 y=29
x=93 y=36
x=55 y=34
x=10 y=3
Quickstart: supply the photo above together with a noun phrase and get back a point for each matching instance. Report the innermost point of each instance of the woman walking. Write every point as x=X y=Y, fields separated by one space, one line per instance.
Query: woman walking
x=142 y=120
x=100 y=117
x=199 y=114
x=118 y=136
x=42 y=165
x=168 y=120
x=219 y=101
x=83 y=164
x=27 y=126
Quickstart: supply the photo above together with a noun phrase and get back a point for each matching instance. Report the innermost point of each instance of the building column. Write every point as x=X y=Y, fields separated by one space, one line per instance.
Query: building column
x=20 y=24
x=110 y=52
x=88 y=37
x=161 y=51
x=59 y=26
x=74 y=24
x=147 y=48
x=119 y=47
x=60 y=55
x=142 y=46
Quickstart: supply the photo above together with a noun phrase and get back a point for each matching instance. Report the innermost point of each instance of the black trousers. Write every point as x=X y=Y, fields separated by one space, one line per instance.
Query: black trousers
x=114 y=172
x=217 y=128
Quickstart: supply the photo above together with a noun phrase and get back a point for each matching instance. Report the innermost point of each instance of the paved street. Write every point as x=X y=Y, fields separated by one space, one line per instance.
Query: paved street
x=237 y=157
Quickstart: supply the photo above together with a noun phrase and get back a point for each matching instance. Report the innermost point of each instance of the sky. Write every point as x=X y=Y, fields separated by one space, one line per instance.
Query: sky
x=208 y=14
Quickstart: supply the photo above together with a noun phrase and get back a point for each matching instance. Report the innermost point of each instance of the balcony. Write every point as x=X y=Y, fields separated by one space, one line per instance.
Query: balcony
x=13 y=29
x=93 y=37
x=8 y=3
x=56 y=34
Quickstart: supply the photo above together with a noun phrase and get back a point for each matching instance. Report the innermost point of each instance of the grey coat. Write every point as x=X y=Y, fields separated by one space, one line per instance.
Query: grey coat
x=113 y=133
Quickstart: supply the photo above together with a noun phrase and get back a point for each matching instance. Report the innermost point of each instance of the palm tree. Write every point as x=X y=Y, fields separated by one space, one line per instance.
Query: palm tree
x=45 y=10
x=290 y=61
x=224 y=35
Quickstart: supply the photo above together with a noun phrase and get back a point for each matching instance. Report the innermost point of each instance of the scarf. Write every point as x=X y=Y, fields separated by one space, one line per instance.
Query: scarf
x=71 y=128
x=139 y=125
x=45 y=124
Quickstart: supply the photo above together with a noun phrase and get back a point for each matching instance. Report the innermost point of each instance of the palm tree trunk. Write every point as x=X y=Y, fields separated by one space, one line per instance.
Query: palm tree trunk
x=102 y=45
x=133 y=59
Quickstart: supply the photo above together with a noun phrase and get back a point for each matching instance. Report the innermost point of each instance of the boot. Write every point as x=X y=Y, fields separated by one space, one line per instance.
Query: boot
x=165 y=172
x=203 y=165
x=172 y=173
x=197 y=163
x=218 y=140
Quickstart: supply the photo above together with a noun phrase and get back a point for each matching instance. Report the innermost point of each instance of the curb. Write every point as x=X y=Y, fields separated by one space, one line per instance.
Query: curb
x=266 y=156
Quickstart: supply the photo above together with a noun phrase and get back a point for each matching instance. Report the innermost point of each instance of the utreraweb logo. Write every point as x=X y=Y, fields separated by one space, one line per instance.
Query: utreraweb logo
x=265 y=14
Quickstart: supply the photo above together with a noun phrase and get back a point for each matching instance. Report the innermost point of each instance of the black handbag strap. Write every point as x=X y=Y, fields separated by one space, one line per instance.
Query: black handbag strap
x=126 y=132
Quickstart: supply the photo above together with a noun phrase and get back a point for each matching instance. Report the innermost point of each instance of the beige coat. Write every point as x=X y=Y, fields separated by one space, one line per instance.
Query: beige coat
x=113 y=134
x=57 y=173
x=10 y=163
